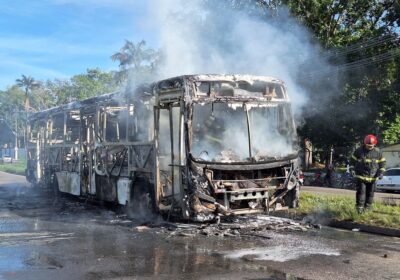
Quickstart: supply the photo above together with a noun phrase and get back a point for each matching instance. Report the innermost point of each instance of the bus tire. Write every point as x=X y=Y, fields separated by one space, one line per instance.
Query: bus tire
x=141 y=203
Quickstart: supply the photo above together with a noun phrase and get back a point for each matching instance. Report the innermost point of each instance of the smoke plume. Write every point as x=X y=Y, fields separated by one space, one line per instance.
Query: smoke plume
x=201 y=37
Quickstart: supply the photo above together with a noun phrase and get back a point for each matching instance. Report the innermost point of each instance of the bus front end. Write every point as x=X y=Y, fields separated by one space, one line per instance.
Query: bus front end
x=243 y=150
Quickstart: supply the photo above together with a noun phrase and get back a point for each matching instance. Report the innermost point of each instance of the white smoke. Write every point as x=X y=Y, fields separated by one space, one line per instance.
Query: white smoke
x=198 y=38
x=220 y=133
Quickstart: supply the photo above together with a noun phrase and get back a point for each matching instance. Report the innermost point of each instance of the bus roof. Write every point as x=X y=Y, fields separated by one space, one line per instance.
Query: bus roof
x=177 y=81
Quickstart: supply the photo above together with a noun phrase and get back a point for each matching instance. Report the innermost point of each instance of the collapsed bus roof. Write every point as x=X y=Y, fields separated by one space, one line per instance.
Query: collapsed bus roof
x=170 y=82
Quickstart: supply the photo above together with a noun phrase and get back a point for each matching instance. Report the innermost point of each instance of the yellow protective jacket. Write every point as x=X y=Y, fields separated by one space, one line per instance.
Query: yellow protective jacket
x=368 y=164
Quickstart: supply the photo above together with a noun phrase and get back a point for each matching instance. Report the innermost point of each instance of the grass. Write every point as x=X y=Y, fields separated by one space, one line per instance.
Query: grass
x=14 y=168
x=343 y=209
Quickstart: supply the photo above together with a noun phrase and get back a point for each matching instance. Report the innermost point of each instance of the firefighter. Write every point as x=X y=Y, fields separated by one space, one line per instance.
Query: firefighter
x=368 y=165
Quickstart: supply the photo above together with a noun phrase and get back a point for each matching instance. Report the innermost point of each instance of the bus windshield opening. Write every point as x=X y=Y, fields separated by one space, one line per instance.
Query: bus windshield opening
x=239 y=132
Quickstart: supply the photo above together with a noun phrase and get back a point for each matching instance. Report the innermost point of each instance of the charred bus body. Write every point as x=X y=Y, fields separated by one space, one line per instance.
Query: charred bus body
x=197 y=146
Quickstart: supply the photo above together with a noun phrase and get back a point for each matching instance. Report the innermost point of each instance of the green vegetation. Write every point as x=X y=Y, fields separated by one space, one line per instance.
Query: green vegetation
x=357 y=33
x=14 y=168
x=343 y=209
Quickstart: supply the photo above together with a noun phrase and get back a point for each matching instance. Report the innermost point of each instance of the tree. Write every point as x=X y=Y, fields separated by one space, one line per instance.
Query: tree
x=11 y=105
x=95 y=82
x=136 y=61
x=43 y=98
x=363 y=40
x=62 y=90
x=28 y=84
x=133 y=55
x=339 y=23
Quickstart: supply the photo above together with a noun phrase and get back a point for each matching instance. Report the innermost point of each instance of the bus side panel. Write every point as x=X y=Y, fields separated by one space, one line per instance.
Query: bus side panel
x=69 y=182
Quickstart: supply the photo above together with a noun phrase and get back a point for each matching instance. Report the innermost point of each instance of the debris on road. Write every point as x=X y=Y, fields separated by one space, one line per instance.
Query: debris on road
x=235 y=226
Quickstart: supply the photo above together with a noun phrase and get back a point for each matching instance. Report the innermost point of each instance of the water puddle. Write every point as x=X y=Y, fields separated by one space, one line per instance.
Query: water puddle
x=32 y=238
x=279 y=253
x=290 y=250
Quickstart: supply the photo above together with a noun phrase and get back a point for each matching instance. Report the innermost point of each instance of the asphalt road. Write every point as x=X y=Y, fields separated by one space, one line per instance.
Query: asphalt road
x=41 y=238
x=390 y=198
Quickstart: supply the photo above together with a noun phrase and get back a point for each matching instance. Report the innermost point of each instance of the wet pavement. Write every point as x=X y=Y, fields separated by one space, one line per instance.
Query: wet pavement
x=73 y=239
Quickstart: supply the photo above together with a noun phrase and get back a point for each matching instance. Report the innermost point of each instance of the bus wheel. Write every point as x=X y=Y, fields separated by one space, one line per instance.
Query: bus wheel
x=54 y=188
x=141 y=204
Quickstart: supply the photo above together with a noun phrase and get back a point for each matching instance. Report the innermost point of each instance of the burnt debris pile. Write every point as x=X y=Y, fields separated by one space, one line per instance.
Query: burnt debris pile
x=236 y=226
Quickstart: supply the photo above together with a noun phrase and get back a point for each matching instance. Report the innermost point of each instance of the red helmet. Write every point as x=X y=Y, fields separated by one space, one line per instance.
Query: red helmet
x=370 y=140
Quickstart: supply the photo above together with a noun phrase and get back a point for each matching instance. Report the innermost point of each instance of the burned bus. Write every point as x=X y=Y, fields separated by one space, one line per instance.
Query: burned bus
x=195 y=147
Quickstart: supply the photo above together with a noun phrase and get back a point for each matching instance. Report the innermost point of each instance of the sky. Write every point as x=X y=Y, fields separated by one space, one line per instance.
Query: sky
x=56 y=39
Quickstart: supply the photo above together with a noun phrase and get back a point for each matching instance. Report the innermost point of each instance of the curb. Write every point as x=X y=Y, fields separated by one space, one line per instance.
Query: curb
x=365 y=228
x=393 y=232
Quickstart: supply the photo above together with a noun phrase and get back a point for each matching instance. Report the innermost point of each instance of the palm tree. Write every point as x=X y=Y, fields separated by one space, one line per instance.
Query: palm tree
x=28 y=84
x=132 y=54
x=136 y=62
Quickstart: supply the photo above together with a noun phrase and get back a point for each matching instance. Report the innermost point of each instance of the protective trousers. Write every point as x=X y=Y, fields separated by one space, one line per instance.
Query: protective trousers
x=365 y=194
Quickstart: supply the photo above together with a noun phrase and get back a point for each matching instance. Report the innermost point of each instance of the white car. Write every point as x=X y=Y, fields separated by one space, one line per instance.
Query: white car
x=390 y=180
x=6 y=159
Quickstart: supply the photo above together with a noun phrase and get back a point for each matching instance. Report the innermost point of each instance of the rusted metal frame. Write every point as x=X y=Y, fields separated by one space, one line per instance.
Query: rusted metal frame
x=289 y=175
x=80 y=161
x=171 y=132
x=248 y=131
x=180 y=147
x=44 y=153
x=57 y=154
x=189 y=91
x=247 y=180
x=246 y=211
x=127 y=133
x=118 y=154
x=127 y=124
x=90 y=120
x=136 y=143
x=123 y=151
x=248 y=196
x=137 y=161
x=38 y=158
x=77 y=162
x=63 y=145
x=105 y=124
x=98 y=137
x=157 y=163
x=275 y=198
x=129 y=159
x=49 y=135
x=96 y=125
x=148 y=157
x=62 y=158
x=244 y=190
x=122 y=162
x=117 y=132
x=83 y=130
x=102 y=127
x=187 y=129
x=70 y=148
